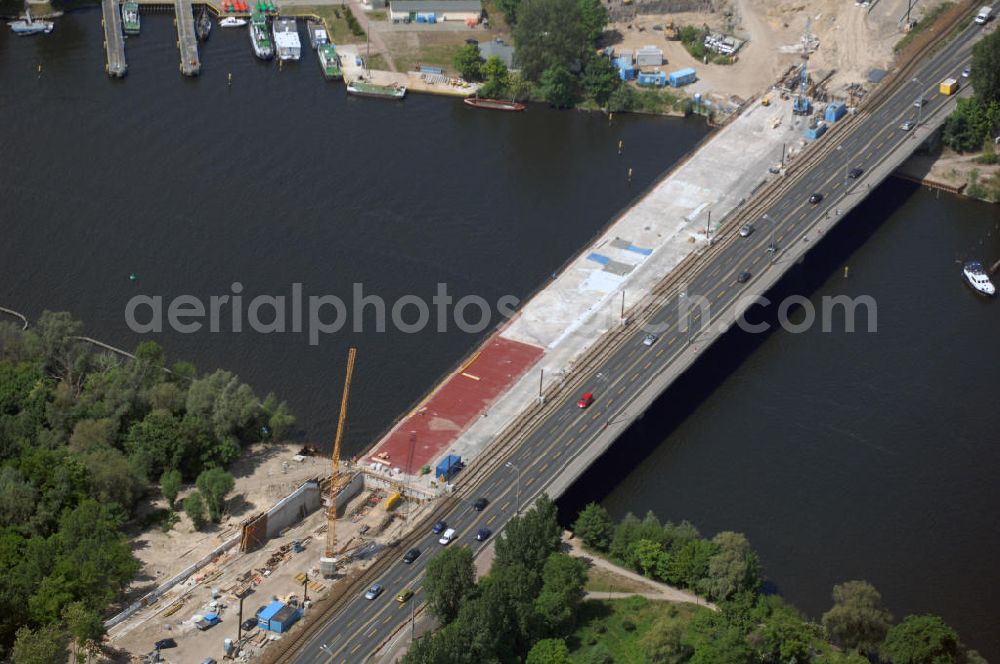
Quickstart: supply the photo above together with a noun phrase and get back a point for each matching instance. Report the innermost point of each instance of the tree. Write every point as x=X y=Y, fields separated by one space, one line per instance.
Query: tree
x=45 y=645
x=593 y=18
x=510 y=9
x=559 y=86
x=921 y=640
x=599 y=79
x=84 y=624
x=279 y=417
x=194 y=507
x=965 y=127
x=549 y=33
x=497 y=77
x=220 y=399
x=214 y=484
x=650 y=559
x=64 y=355
x=19 y=498
x=734 y=568
x=985 y=74
x=594 y=527
x=157 y=441
x=468 y=62
x=112 y=478
x=450 y=578
x=857 y=620
x=170 y=485
x=89 y=435
x=785 y=637
x=549 y=651
x=689 y=565
x=664 y=643
x=563 y=579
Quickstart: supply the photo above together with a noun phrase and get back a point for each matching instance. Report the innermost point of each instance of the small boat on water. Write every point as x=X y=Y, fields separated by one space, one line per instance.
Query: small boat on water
x=329 y=61
x=203 y=26
x=495 y=104
x=286 y=39
x=978 y=278
x=260 y=37
x=361 y=88
x=28 y=26
x=317 y=34
x=232 y=22
x=130 y=18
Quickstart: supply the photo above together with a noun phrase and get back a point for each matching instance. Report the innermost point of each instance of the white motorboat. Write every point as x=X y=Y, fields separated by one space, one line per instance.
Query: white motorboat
x=976 y=276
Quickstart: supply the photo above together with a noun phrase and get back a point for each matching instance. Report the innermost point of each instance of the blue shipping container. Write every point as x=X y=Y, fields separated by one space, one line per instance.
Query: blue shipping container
x=430 y=70
x=448 y=466
x=658 y=79
x=626 y=73
x=683 y=77
x=812 y=133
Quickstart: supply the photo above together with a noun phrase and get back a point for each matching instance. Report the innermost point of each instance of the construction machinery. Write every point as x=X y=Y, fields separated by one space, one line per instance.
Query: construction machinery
x=801 y=104
x=328 y=562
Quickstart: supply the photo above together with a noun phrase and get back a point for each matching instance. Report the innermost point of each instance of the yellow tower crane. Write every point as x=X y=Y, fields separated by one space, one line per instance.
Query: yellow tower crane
x=328 y=563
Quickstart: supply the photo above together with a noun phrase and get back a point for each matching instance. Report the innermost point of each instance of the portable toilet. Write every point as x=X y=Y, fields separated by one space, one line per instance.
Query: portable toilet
x=448 y=466
x=835 y=110
x=626 y=71
x=682 y=77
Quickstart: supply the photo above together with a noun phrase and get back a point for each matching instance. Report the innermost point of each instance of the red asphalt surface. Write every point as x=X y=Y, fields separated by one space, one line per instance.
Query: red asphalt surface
x=457 y=402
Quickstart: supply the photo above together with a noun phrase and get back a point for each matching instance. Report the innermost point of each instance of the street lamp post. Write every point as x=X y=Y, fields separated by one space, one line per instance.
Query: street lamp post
x=517 y=488
x=772 y=248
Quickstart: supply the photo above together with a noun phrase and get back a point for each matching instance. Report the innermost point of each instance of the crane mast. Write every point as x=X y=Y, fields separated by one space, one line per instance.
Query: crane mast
x=328 y=563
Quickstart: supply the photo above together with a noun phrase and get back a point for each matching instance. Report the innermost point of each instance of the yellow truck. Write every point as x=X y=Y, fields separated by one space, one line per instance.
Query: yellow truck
x=949 y=86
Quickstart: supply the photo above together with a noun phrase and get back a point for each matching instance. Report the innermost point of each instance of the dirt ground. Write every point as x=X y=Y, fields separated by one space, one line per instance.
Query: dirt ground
x=850 y=40
x=275 y=572
x=264 y=475
x=433 y=45
x=948 y=167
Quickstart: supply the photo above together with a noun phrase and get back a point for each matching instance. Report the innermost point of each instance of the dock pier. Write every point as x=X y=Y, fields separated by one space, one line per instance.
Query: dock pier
x=187 y=42
x=114 y=40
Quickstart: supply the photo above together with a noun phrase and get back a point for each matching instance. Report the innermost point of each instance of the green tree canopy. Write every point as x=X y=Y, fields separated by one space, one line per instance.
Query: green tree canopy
x=985 y=74
x=194 y=507
x=594 y=527
x=170 y=485
x=593 y=18
x=857 y=620
x=214 y=484
x=468 y=62
x=733 y=569
x=450 y=578
x=549 y=651
x=599 y=79
x=549 y=33
x=45 y=645
x=563 y=580
x=922 y=639
x=559 y=86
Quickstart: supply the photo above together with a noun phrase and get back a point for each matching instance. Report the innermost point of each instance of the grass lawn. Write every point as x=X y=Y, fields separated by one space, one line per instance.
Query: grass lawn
x=604 y=581
x=377 y=61
x=336 y=26
x=617 y=627
x=426 y=47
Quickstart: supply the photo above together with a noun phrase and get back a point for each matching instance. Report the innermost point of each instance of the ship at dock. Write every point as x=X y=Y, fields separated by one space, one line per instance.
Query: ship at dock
x=360 y=88
x=260 y=37
x=130 y=18
x=203 y=26
x=29 y=26
x=286 y=39
x=329 y=61
x=494 y=104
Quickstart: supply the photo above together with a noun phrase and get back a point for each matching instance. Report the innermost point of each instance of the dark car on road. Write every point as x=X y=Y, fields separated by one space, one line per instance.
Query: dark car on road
x=163 y=644
x=483 y=534
x=744 y=277
x=855 y=173
x=816 y=198
x=439 y=527
x=480 y=504
x=411 y=555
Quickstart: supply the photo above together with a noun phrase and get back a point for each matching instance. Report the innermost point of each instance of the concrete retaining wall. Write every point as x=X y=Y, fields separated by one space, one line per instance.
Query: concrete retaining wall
x=293 y=508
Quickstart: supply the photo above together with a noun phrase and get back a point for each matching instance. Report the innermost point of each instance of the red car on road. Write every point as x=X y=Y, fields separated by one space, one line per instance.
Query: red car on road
x=585 y=400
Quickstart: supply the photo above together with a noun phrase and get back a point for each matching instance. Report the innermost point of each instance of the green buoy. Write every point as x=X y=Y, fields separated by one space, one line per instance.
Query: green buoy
x=131 y=277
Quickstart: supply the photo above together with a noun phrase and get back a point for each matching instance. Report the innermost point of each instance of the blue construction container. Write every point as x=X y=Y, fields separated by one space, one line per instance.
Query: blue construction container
x=812 y=133
x=656 y=78
x=277 y=617
x=448 y=467
x=682 y=77
x=424 y=69
x=835 y=110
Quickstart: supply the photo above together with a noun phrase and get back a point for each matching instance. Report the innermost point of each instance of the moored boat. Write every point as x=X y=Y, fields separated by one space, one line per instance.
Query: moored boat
x=286 y=39
x=29 y=26
x=130 y=18
x=361 y=88
x=329 y=61
x=260 y=38
x=317 y=34
x=232 y=22
x=203 y=26
x=495 y=104
x=978 y=278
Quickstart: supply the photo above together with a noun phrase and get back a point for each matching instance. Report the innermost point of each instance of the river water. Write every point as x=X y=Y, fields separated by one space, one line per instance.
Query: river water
x=841 y=456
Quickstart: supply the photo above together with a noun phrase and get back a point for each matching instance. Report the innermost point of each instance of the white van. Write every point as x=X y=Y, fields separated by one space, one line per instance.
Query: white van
x=984 y=15
x=448 y=536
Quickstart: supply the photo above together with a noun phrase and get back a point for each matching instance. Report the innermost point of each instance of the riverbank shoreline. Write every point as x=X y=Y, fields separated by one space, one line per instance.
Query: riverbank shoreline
x=956 y=173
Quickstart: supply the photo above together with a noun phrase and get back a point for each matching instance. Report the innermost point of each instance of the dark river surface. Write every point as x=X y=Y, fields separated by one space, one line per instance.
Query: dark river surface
x=840 y=455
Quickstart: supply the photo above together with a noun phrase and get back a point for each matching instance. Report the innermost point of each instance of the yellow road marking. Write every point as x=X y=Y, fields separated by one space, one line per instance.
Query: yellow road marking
x=355 y=648
x=634 y=376
x=756 y=260
x=648 y=365
x=371 y=632
x=621 y=389
x=557 y=455
x=505 y=506
x=583 y=427
x=672 y=340
x=388 y=618
x=530 y=480
x=780 y=237
x=803 y=215
x=544 y=467
x=492 y=518
x=836 y=184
